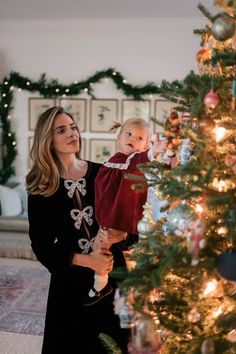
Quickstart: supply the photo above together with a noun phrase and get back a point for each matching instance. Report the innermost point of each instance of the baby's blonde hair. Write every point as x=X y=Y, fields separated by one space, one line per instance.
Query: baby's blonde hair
x=131 y=121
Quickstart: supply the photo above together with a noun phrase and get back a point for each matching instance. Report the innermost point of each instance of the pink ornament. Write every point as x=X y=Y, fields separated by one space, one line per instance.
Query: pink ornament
x=230 y=161
x=211 y=100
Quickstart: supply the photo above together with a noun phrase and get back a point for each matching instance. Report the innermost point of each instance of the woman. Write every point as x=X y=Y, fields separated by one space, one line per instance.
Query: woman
x=62 y=231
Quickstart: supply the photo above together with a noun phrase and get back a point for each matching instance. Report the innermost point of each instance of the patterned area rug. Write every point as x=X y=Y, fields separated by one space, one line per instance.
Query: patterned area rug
x=23 y=296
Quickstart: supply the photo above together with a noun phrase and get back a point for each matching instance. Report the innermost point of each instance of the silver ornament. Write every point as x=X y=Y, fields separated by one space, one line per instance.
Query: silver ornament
x=146 y=225
x=145 y=338
x=126 y=315
x=185 y=151
x=178 y=219
x=223 y=27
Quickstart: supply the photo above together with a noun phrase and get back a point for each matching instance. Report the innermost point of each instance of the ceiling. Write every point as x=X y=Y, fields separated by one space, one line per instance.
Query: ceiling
x=73 y=9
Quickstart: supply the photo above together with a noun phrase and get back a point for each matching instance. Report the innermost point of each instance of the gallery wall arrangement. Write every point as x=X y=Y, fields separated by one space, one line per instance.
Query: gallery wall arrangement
x=101 y=111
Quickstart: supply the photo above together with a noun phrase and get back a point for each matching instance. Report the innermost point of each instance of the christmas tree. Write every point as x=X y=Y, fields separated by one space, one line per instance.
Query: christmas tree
x=179 y=295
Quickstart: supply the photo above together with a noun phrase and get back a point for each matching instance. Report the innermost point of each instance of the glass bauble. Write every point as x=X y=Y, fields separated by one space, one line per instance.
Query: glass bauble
x=223 y=27
x=185 y=151
x=126 y=314
x=211 y=100
x=145 y=339
x=226 y=265
x=179 y=218
x=146 y=225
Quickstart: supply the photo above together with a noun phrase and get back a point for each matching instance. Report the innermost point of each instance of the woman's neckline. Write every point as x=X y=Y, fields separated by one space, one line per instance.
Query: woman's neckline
x=77 y=177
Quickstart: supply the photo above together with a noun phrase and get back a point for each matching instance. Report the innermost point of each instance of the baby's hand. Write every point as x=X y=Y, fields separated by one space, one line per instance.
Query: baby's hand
x=159 y=145
x=114 y=236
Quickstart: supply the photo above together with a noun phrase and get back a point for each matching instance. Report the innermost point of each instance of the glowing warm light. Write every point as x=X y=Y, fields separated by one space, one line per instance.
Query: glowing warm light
x=220 y=133
x=220 y=185
x=199 y=209
x=222 y=230
x=218 y=312
x=154 y=296
x=210 y=287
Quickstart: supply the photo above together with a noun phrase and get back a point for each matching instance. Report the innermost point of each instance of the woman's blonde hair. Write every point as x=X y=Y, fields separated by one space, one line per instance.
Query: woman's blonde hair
x=43 y=178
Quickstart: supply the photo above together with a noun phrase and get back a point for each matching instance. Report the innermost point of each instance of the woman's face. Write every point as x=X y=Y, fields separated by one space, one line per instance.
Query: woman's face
x=65 y=135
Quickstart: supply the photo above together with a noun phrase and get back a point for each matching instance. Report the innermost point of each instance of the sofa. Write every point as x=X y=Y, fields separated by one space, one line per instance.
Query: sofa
x=14 y=226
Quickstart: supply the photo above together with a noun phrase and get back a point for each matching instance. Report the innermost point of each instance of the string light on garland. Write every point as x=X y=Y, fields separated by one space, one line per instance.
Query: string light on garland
x=52 y=88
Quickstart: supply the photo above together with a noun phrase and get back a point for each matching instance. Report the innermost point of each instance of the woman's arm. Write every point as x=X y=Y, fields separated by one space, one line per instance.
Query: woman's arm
x=54 y=255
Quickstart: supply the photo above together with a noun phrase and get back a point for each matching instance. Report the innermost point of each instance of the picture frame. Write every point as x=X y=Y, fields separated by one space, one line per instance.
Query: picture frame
x=162 y=108
x=36 y=107
x=102 y=149
x=30 y=144
x=77 y=108
x=136 y=109
x=103 y=112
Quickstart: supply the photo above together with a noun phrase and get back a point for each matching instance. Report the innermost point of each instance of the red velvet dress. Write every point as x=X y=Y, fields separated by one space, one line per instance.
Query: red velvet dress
x=118 y=206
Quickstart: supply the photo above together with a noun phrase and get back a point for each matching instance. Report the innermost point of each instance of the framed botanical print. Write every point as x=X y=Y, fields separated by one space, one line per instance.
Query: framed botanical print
x=162 y=109
x=36 y=107
x=136 y=109
x=77 y=108
x=102 y=149
x=103 y=112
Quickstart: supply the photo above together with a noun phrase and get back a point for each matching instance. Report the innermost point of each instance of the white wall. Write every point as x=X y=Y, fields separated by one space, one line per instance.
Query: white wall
x=143 y=50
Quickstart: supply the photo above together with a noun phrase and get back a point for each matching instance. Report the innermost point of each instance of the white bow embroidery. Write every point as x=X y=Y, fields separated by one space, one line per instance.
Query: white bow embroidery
x=80 y=184
x=85 y=244
x=78 y=215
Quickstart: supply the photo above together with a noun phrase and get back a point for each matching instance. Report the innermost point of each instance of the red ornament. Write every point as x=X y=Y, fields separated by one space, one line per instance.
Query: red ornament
x=211 y=100
x=206 y=124
x=204 y=54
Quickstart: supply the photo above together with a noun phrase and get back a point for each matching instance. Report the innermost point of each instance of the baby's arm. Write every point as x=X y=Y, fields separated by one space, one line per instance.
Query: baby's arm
x=161 y=152
x=100 y=241
x=106 y=237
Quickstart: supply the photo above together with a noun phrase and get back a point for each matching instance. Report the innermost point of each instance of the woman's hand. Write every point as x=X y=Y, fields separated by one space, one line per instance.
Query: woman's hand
x=101 y=261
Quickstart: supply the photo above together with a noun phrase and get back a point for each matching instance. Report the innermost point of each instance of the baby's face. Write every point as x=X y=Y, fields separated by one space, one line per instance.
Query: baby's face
x=133 y=138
